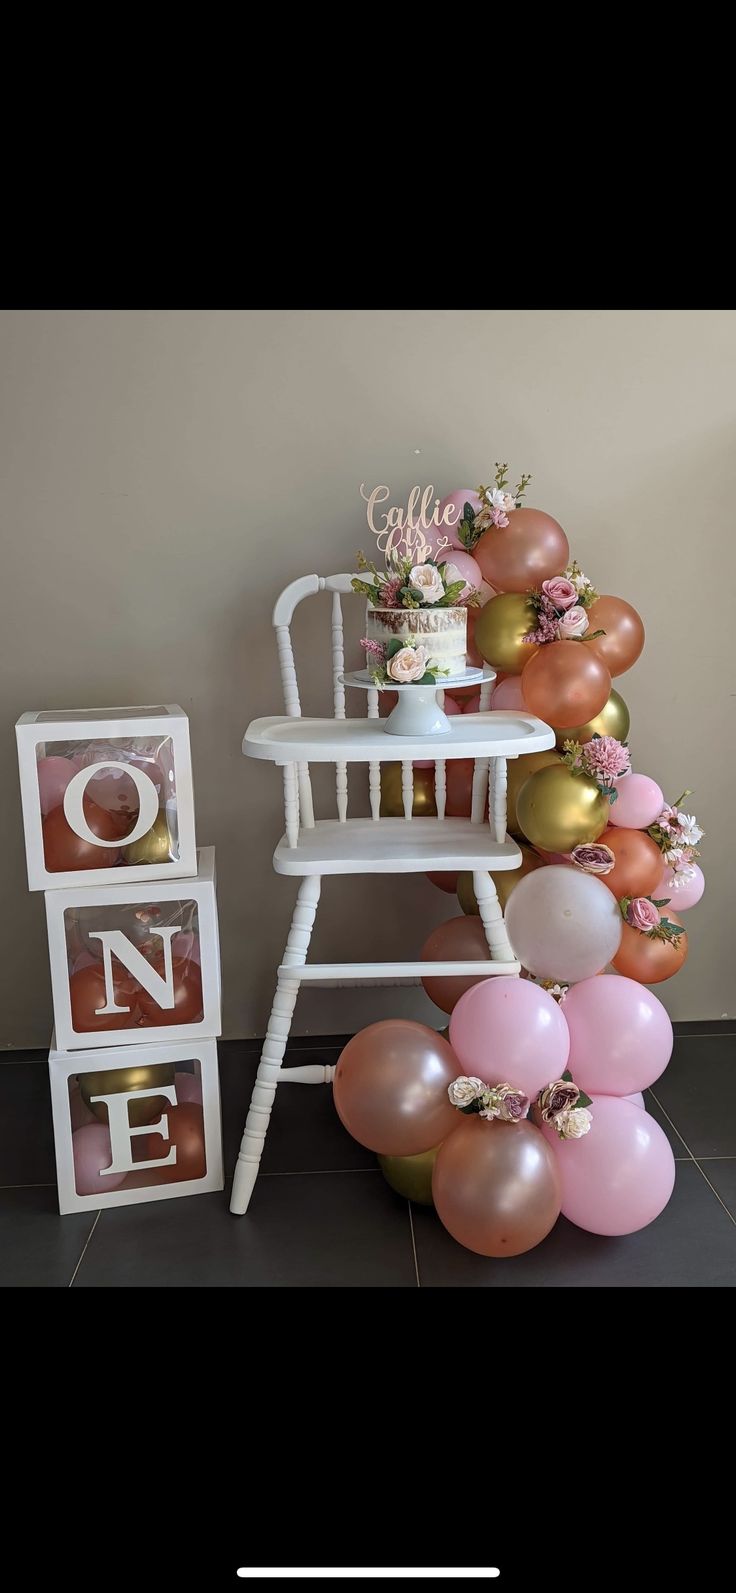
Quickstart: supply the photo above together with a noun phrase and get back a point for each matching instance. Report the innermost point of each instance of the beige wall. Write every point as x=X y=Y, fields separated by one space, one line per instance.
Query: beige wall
x=165 y=473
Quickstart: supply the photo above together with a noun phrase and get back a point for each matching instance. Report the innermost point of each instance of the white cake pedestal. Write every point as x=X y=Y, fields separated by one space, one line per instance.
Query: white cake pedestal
x=418 y=712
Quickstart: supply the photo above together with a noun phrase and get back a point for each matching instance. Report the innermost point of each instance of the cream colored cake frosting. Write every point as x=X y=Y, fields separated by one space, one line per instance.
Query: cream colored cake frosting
x=443 y=631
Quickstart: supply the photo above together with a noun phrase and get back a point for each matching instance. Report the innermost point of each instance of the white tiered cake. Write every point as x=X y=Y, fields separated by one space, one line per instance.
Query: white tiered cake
x=443 y=631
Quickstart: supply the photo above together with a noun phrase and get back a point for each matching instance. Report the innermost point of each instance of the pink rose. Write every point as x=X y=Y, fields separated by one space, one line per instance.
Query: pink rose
x=574 y=623
x=408 y=665
x=642 y=914
x=560 y=592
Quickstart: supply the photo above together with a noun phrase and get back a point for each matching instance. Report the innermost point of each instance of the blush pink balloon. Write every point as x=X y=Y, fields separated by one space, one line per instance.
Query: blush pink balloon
x=638 y=804
x=620 y=1175
x=506 y=1030
x=79 y=1112
x=186 y=946
x=681 y=896
x=188 y=1088
x=636 y=1100
x=553 y=857
x=53 y=776
x=508 y=694
x=85 y=960
x=92 y=1151
x=466 y=566
x=621 y=1036
x=450 y=707
x=457 y=501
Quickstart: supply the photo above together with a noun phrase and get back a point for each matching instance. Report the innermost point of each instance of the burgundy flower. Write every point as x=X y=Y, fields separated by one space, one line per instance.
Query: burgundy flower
x=593 y=859
x=559 y=1096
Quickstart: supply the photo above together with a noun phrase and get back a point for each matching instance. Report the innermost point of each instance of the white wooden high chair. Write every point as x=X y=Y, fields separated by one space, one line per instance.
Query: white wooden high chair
x=310 y=848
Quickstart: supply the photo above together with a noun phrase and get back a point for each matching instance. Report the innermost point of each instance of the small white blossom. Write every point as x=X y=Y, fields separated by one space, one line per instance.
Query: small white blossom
x=509 y=503
x=689 y=830
x=573 y=1124
x=497 y=499
x=464 y=1091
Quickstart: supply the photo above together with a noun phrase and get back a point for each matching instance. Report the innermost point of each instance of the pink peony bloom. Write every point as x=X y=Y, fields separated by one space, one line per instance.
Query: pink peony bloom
x=574 y=623
x=561 y=593
x=605 y=758
x=642 y=914
x=499 y=518
x=668 y=818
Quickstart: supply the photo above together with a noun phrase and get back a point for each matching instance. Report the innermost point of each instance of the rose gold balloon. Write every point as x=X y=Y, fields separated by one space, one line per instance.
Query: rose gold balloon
x=496 y=1186
x=638 y=865
x=458 y=938
x=444 y=882
x=459 y=790
x=624 y=638
x=185 y=1125
x=64 y=849
x=391 y=1087
x=565 y=683
x=650 y=961
x=523 y=554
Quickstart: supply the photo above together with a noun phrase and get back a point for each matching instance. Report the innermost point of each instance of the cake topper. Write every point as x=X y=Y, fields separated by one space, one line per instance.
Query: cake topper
x=400 y=532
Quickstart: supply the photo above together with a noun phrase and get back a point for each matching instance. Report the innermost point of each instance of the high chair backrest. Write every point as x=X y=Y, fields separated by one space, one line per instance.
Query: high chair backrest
x=283 y=613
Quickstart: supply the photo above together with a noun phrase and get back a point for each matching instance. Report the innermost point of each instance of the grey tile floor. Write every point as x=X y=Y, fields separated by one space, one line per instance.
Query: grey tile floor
x=323 y=1216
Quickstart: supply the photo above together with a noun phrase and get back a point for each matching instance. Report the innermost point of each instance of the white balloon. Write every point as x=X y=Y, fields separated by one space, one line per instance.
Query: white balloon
x=563 y=924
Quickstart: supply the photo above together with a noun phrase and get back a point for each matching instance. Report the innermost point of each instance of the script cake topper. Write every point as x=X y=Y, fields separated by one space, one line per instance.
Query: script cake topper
x=399 y=532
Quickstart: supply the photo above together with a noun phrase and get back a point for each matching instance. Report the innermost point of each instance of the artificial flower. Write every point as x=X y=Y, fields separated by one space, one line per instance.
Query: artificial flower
x=688 y=830
x=642 y=914
x=426 y=579
x=463 y=1091
x=408 y=665
x=561 y=592
x=373 y=649
x=594 y=859
x=573 y=624
x=511 y=1104
x=559 y=1096
x=573 y=1124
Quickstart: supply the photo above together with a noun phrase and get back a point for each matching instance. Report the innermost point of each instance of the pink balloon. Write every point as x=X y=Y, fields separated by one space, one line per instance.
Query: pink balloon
x=457 y=500
x=553 y=857
x=636 y=1100
x=79 y=1112
x=186 y=946
x=85 y=960
x=54 y=775
x=113 y=790
x=506 y=1030
x=684 y=895
x=508 y=694
x=451 y=707
x=618 y=1177
x=466 y=566
x=620 y=1035
x=93 y=1151
x=639 y=802
x=188 y=1088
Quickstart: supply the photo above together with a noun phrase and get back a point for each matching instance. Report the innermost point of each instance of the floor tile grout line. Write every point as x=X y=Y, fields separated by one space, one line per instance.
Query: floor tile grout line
x=413 y=1245
x=675 y=1130
x=703 y=1174
x=26 y=1186
x=84 y=1252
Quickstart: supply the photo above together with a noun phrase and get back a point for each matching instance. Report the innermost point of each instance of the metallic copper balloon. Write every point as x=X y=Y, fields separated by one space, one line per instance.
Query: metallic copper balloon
x=519 y=770
x=504 y=881
x=444 y=882
x=458 y=939
x=391 y=1086
x=155 y=847
x=650 y=961
x=392 y=801
x=115 y=1080
x=186 y=1132
x=523 y=554
x=411 y=1176
x=624 y=633
x=459 y=788
x=64 y=849
x=558 y=810
x=614 y=719
x=187 y=1008
x=88 y=991
x=565 y=683
x=638 y=867
x=500 y=629
x=496 y=1186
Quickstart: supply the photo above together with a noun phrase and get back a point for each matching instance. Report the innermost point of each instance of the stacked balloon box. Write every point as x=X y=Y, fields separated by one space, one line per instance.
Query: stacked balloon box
x=131 y=913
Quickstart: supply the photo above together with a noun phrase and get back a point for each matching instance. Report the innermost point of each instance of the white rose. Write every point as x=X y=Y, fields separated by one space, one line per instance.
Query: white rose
x=464 y=1091
x=574 y=623
x=426 y=578
x=452 y=573
x=407 y=665
x=574 y=1124
x=497 y=499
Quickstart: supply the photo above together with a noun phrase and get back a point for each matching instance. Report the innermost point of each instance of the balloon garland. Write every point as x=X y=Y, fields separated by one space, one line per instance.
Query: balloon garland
x=505 y=1147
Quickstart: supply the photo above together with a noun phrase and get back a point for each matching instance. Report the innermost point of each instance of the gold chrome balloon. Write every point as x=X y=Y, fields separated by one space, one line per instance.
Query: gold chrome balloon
x=499 y=629
x=519 y=770
x=392 y=801
x=114 y=1080
x=613 y=720
x=155 y=847
x=411 y=1176
x=504 y=881
x=559 y=810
